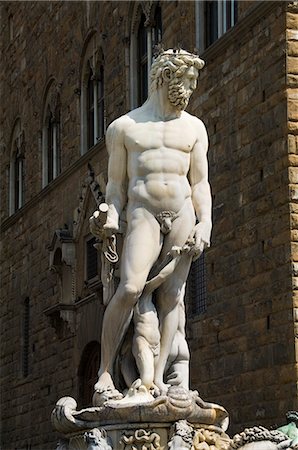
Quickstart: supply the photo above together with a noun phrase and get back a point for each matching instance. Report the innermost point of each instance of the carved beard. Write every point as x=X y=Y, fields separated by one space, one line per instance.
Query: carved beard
x=178 y=95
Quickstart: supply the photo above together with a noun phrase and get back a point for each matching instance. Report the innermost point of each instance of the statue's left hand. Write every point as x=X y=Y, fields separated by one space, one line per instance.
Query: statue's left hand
x=95 y=223
x=201 y=236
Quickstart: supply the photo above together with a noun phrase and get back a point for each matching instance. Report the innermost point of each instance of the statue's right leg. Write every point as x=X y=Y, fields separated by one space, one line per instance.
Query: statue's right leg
x=141 y=249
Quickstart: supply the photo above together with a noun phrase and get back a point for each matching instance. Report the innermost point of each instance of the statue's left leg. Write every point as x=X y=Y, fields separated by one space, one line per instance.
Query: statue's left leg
x=169 y=293
x=177 y=368
x=168 y=298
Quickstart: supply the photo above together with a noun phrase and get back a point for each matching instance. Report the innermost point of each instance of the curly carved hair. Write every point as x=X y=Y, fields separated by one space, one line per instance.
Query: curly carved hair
x=177 y=62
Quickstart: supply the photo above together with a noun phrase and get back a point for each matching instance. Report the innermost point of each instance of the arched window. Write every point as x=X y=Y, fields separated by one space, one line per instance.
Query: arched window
x=17 y=169
x=145 y=37
x=95 y=107
x=87 y=372
x=51 y=152
x=92 y=96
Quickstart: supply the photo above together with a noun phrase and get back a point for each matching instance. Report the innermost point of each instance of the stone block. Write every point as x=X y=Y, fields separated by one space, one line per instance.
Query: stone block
x=293 y=48
x=292 y=21
x=293 y=109
x=293 y=144
x=292 y=65
x=292 y=35
x=293 y=175
x=294 y=220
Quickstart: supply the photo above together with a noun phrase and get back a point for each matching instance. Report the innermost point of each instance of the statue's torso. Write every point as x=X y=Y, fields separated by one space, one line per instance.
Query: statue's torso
x=158 y=161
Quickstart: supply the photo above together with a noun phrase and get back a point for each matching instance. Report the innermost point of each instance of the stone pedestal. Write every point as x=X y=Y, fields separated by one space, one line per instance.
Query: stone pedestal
x=180 y=420
x=153 y=436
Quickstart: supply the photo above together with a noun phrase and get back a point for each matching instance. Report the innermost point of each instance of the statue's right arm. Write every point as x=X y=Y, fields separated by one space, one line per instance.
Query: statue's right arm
x=116 y=190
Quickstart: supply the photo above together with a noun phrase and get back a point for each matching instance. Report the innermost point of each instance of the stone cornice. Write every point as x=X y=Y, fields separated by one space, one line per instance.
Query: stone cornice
x=7 y=223
x=254 y=14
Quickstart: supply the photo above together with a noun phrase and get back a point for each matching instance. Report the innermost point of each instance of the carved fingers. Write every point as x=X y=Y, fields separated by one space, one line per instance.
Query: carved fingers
x=95 y=224
x=200 y=238
x=100 y=228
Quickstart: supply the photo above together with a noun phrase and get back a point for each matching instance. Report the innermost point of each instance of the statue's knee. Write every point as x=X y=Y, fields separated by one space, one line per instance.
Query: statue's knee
x=170 y=297
x=131 y=293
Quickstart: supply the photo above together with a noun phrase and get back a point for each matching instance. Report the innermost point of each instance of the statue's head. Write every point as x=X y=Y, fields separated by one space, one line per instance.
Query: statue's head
x=180 y=70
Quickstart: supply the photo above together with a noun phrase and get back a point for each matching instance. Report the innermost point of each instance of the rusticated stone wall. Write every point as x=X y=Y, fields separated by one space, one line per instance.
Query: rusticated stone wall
x=243 y=353
x=292 y=97
x=243 y=347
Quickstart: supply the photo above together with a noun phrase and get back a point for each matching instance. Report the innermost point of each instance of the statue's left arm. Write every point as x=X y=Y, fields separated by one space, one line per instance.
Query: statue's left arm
x=201 y=194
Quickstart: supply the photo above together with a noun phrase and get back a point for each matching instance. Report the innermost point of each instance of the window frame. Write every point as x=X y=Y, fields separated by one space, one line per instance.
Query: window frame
x=51 y=136
x=197 y=287
x=26 y=338
x=203 y=39
x=17 y=169
x=152 y=28
x=93 y=116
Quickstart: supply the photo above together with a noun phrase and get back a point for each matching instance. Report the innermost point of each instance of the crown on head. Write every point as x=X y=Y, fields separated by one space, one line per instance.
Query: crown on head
x=159 y=50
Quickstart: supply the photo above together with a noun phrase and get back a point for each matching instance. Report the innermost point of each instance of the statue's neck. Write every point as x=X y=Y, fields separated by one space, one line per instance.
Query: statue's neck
x=160 y=106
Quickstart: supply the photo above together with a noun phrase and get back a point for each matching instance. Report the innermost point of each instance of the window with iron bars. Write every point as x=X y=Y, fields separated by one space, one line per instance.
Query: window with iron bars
x=197 y=287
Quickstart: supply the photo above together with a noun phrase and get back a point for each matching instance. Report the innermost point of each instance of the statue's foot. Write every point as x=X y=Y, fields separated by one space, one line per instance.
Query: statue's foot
x=100 y=398
x=105 y=390
x=160 y=388
x=154 y=390
x=104 y=383
x=136 y=384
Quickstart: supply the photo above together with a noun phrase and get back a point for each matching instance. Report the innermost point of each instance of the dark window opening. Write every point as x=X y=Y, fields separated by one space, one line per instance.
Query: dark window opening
x=157 y=30
x=19 y=182
x=26 y=334
x=90 y=110
x=53 y=146
x=197 y=287
x=147 y=38
x=100 y=103
x=142 y=61
x=91 y=259
x=50 y=149
x=211 y=22
x=87 y=373
x=220 y=16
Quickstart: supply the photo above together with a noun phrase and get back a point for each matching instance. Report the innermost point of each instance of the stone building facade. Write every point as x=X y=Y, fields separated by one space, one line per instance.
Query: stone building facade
x=67 y=70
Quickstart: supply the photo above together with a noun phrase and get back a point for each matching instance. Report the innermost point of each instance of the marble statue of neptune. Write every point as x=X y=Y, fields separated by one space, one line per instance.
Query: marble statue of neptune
x=158 y=171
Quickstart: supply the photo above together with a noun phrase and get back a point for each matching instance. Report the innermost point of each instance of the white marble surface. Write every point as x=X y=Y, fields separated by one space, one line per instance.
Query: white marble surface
x=158 y=173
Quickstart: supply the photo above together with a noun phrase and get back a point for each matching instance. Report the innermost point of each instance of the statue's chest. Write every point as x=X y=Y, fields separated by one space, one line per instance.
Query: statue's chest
x=156 y=135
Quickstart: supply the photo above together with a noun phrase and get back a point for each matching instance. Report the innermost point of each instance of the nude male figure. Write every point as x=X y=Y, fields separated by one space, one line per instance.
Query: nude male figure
x=158 y=169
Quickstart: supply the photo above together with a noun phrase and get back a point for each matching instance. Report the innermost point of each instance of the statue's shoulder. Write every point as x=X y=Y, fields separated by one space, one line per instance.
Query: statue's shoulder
x=120 y=123
x=193 y=119
x=198 y=127
x=117 y=129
